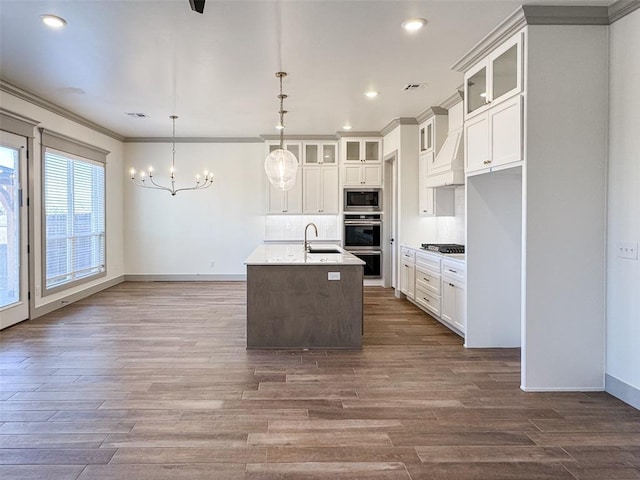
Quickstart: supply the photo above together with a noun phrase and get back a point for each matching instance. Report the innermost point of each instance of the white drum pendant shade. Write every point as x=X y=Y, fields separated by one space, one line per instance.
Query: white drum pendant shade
x=281 y=167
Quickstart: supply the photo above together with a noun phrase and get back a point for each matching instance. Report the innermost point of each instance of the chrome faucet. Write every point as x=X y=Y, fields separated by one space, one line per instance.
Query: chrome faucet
x=306 y=243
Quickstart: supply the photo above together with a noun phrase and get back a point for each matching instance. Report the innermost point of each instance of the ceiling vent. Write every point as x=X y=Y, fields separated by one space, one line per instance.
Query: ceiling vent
x=136 y=115
x=409 y=87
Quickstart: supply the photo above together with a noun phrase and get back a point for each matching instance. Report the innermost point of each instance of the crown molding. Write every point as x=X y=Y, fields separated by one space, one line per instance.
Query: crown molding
x=431 y=112
x=454 y=99
x=531 y=15
x=350 y=134
x=53 y=108
x=396 y=122
x=270 y=137
x=622 y=8
x=193 y=140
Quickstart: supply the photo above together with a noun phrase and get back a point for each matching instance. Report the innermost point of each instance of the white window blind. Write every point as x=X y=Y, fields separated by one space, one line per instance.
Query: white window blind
x=74 y=220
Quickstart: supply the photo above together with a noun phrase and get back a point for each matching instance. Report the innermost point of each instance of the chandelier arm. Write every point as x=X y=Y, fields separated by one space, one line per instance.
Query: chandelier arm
x=201 y=187
x=161 y=187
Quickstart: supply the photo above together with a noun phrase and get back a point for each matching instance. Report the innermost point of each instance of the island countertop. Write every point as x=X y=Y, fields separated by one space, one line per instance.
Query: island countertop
x=294 y=254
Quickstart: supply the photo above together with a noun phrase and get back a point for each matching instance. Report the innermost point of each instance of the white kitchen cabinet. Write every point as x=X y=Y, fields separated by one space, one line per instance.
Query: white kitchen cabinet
x=453 y=294
x=290 y=201
x=433 y=202
x=432 y=133
x=407 y=272
x=495 y=137
x=320 y=153
x=320 y=186
x=495 y=79
x=363 y=175
x=362 y=150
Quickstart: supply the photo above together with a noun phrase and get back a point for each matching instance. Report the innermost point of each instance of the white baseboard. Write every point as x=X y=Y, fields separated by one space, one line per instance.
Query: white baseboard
x=63 y=302
x=189 y=277
x=622 y=390
x=561 y=389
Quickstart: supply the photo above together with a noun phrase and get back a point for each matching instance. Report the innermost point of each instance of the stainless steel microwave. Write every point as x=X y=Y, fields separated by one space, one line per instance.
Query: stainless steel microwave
x=362 y=199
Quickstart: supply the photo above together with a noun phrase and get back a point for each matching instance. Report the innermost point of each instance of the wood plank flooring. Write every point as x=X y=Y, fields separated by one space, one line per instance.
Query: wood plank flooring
x=152 y=381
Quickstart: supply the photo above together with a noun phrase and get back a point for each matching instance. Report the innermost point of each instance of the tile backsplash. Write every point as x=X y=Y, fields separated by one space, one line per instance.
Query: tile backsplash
x=291 y=227
x=451 y=229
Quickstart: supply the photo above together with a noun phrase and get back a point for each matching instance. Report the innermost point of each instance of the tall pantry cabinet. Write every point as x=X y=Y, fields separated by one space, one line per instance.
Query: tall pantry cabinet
x=535 y=156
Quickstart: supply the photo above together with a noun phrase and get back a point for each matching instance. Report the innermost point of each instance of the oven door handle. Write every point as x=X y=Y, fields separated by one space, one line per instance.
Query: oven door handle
x=361 y=223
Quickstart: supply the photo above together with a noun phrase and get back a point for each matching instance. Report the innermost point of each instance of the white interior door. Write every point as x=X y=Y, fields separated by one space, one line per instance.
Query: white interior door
x=390 y=230
x=14 y=279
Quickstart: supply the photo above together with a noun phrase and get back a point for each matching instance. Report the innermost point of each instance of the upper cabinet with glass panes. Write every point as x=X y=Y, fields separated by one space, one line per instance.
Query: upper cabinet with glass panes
x=320 y=153
x=496 y=78
x=363 y=150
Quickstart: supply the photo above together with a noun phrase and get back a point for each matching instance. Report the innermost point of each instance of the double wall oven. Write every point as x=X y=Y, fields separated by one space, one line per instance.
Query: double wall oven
x=363 y=238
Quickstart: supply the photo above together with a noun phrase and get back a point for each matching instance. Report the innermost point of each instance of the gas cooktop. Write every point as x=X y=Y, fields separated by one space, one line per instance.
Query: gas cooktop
x=444 y=247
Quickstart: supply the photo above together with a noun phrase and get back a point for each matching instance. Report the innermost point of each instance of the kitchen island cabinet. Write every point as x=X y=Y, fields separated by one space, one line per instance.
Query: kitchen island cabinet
x=304 y=300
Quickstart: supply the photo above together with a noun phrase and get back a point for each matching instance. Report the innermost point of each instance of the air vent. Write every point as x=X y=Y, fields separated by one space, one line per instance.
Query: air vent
x=136 y=115
x=409 y=87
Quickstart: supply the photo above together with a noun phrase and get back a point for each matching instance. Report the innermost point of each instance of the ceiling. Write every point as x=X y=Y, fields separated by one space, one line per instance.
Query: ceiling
x=217 y=71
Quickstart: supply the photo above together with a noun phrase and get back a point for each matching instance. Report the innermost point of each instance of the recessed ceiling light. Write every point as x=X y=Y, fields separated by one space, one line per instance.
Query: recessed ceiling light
x=346 y=127
x=413 y=24
x=371 y=94
x=53 y=21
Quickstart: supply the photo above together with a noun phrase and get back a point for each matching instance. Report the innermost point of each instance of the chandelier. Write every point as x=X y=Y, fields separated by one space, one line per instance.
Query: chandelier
x=202 y=182
x=281 y=165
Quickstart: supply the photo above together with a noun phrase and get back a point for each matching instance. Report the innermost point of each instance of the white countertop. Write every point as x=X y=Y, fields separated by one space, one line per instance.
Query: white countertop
x=294 y=254
x=458 y=257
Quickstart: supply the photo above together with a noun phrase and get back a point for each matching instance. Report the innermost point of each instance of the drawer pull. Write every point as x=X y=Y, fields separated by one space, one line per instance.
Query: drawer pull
x=425 y=299
x=453 y=271
x=452 y=285
x=426 y=279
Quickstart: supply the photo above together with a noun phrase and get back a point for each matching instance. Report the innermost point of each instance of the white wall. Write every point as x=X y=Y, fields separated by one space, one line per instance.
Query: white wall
x=565 y=185
x=623 y=275
x=209 y=232
x=114 y=207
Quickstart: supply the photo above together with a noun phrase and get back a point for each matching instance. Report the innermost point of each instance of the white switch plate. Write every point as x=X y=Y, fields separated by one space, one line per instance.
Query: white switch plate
x=333 y=275
x=627 y=250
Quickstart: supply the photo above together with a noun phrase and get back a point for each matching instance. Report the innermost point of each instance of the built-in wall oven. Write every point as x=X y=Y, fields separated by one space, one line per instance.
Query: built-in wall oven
x=363 y=238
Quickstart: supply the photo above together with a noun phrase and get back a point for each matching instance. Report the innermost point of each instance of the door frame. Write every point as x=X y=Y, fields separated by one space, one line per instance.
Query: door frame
x=390 y=249
x=22 y=308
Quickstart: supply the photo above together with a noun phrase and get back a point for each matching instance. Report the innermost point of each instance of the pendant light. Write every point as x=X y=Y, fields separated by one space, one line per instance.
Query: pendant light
x=202 y=182
x=281 y=165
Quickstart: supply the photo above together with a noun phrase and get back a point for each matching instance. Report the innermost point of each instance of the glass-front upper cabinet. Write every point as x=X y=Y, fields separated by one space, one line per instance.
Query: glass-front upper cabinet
x=321 y=153
x=496 y=78
x=362 y=150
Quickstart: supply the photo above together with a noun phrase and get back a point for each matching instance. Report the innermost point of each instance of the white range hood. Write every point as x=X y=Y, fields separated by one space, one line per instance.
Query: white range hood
x=447 y=168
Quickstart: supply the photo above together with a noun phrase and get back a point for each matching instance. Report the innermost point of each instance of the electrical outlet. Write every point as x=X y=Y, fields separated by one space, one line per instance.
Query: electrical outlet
x=333 y=276
x=627 y=250
x=38 y=290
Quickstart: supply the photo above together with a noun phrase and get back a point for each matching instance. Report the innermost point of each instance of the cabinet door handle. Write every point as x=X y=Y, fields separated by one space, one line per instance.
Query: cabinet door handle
x=452 y=285
x=426 y=280
x=487 y=162
x=284 y=211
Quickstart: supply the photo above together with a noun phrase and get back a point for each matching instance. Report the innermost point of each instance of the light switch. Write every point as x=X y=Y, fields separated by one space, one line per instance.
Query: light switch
x=334 y=275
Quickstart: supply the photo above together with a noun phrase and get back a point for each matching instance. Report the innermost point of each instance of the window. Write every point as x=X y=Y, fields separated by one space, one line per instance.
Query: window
x=74 y=219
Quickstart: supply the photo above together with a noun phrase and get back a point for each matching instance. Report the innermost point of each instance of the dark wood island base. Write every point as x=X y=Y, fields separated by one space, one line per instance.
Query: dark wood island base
x=297 y=306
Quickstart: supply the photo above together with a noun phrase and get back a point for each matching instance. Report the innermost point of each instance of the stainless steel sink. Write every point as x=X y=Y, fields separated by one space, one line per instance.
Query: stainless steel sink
x=323 y=250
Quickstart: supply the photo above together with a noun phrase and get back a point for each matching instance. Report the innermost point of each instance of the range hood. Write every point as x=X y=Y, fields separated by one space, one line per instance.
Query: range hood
x=447 y=168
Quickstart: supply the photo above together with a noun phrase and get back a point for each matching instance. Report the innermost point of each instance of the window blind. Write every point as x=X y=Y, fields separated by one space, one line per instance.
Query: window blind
x=74 y=218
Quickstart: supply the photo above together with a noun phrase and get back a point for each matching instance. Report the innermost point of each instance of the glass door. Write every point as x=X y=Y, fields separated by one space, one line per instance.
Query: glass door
x=14 y=305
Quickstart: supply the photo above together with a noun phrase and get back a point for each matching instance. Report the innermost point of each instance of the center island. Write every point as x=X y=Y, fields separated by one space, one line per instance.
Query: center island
x=300 y=299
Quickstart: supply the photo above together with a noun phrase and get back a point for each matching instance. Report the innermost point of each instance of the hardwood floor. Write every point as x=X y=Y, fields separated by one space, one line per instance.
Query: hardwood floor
x=152 y=381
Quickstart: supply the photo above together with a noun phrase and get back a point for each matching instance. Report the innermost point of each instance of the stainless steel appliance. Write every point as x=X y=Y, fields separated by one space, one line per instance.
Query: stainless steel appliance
x=363 y=238
x=362 y=200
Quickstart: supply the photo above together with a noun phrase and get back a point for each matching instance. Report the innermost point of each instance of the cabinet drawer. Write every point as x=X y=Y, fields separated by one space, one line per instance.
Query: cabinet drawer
x=428 y=301
x=428 y=262
x=428 y=281
x=453 y=270
x=407 y=255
